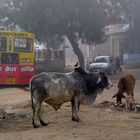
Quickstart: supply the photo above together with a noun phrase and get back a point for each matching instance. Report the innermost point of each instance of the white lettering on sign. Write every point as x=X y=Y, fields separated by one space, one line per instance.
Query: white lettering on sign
x=27 y=69
x=10 y=69
x=0 y=68
x=26 y=60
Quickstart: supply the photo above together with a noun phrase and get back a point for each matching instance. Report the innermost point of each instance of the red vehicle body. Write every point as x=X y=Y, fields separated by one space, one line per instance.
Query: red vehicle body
x=16 y=57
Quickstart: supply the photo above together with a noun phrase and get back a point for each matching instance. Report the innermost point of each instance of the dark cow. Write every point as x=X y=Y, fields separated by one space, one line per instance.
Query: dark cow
x=58 y=88
x=126 y=85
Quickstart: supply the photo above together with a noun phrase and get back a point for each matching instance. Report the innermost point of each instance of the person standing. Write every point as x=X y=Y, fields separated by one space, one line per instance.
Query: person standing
x=118 y=65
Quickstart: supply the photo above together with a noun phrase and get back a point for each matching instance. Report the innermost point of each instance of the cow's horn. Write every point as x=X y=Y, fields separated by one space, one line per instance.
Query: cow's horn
x=99 y=80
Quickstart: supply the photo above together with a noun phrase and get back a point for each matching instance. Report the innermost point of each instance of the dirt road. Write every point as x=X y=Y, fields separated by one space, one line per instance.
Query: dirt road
x=98 y=123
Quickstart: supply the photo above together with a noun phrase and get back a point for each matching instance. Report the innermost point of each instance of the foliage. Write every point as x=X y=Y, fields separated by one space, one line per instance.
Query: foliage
x=47 y=18
x=4 y=10
x=86 y=19
x=76 y=19
x=118 y=10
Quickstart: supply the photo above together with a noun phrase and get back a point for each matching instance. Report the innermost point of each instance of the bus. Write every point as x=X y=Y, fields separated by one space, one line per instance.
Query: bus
x=16 y=57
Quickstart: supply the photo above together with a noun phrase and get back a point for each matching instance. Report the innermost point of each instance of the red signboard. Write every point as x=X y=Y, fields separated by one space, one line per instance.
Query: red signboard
x=16 y=74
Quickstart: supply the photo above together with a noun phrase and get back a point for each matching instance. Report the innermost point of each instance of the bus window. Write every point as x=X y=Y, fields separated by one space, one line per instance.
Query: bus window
x=23 y=44
x=2 y=43
x=9 y=58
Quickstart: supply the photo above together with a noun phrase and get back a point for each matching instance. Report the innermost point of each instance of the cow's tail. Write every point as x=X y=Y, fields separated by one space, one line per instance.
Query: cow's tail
x=31 y=89
x=32 y=101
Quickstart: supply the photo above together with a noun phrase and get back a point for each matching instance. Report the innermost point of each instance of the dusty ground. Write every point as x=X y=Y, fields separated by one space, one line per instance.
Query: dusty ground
x=97 y=123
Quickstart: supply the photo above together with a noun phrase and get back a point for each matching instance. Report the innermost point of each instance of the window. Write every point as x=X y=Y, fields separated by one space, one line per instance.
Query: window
x=9 y=58
x=101 y=60
x=2 y=43
x=23 y=44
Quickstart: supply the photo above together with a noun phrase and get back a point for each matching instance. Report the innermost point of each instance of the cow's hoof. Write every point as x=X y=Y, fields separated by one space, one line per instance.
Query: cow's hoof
x=36 y=125
x=76 y=119
x=73 y=119
x=43 y=123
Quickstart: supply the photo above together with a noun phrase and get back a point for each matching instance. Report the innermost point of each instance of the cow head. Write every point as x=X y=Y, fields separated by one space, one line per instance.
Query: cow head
x=104 y=81
x=95 y=80
x=98 y=81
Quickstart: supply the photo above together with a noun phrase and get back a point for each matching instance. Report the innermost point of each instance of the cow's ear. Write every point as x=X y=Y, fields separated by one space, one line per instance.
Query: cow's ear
x=99 y=80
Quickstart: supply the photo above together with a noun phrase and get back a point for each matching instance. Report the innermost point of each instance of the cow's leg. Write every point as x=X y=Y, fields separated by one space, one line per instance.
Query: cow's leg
x=37 y=108
x=39 y=96
x=37 y=116
x=72 y=107
x=129 y=106
x=75 y=108
x=126 y=106
x=135 y=108
x=40 y=118
x=34 y=107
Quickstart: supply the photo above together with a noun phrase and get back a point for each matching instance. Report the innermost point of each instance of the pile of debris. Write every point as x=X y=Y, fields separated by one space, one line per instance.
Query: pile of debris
x=114 y=107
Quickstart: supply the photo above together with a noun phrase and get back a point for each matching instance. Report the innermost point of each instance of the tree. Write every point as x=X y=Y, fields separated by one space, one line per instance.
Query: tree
x=3 y=11
x=129 y=10
x=118 y=11
x=135 y=19
x=77 y=20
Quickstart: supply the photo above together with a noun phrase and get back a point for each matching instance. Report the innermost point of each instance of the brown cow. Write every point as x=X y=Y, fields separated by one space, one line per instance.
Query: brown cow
x=125 y=85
